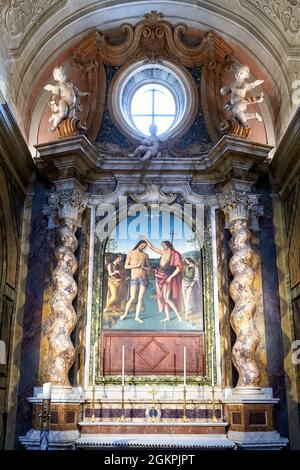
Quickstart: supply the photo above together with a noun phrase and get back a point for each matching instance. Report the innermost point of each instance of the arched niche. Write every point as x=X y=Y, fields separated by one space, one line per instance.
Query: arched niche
x=108 y=332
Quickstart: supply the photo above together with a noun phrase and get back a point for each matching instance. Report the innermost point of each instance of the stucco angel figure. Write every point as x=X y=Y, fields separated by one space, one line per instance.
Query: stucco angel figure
x=68 y=103
x=149 y=146
x=239 y=100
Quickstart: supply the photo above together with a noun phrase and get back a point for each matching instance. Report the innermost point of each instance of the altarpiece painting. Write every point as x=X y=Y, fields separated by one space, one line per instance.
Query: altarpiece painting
x=150 y=278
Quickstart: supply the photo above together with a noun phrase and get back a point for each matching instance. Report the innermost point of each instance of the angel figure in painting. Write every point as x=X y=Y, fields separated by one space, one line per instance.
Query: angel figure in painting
x=68 y=103
x=116 y=285
x=238 y=96
x=149 y=146
x=192 y=290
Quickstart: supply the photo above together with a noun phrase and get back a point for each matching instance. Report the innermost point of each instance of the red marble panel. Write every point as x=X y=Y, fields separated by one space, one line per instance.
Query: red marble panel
x=152 y=353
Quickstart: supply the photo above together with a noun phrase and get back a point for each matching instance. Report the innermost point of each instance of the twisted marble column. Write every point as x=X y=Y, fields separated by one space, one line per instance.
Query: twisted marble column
x=237 y=207
x=70 y=204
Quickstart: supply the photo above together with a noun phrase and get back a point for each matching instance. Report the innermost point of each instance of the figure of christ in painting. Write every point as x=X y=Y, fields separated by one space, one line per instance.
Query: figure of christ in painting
x=168 y=276
x=116 y=285
x=192 y=290
x=138 y=263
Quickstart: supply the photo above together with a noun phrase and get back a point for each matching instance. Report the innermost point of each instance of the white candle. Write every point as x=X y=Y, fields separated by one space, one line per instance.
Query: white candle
x=123 y=365
x=184 y=366
x=47 y=391
x=212 y=369
x=94 y=364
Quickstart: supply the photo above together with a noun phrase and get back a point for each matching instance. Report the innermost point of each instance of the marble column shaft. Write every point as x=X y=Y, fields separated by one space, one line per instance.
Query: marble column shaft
x=70 y=204
x=237 y=207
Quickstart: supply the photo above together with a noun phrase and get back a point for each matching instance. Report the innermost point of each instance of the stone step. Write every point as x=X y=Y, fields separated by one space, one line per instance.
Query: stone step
x=154 y=441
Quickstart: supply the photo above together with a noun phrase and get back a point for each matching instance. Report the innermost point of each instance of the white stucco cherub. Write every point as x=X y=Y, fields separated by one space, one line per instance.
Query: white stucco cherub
x=149 y=146
x=68 y=103
x=238 y=96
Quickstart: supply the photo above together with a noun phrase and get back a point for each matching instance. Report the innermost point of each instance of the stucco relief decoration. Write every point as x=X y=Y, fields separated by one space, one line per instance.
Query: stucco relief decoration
x=238 y=90
x=19 y=18
x=152 y=194
x=286 y=13
x=148 y=147
x=65 y=104
x=154 y=40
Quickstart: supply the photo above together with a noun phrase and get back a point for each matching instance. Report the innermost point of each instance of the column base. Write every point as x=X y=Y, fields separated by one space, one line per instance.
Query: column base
x=58 y=440
x=65 y=408
x=249 y=395
x=249 y=412
x=59 y=393
x=268 y=440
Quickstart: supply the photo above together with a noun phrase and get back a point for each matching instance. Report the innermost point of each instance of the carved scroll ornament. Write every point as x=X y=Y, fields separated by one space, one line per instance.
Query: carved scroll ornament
x=153 y=40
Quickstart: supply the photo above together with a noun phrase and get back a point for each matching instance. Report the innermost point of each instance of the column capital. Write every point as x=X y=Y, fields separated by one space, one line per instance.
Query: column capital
x=238 y=205
x=50 y=211
x=69 y=203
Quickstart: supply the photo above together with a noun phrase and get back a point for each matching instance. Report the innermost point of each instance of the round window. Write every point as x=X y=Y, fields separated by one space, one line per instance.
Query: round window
x=153 y=104
x=144 y=94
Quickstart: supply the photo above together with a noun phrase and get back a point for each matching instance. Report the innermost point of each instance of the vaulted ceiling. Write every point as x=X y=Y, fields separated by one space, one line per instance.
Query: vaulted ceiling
x=35 y=33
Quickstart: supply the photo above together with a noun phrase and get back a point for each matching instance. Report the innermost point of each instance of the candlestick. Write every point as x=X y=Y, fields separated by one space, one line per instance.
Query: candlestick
x=94 y=364
x=47 y=387
x=184 y=366
x=94 y=381
x=123 y=385
x=153 y=405
x=123 y=365
x=214 y=418
x=45 y=416
x=184 y=418
x=212 y=368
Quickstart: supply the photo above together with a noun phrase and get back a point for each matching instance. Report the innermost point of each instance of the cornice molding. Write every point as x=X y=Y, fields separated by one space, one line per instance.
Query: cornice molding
x=14 y=151
x=153 y=39
x=286 y=161
x=19 y=21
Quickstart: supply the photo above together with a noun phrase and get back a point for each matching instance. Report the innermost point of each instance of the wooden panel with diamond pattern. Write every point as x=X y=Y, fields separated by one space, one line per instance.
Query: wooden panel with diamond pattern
x=152 y=353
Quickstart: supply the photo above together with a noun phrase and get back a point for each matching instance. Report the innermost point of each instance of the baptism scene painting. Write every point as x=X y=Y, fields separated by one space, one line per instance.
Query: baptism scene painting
x=152 y=275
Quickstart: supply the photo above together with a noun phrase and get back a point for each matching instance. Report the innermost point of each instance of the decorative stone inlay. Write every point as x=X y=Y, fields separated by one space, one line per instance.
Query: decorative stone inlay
x=70 y=204
x=237 y=207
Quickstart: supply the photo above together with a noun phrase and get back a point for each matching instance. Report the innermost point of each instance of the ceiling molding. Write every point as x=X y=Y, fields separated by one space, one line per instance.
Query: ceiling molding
x=19 y=21
x=242 y=26
x=280 y=16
